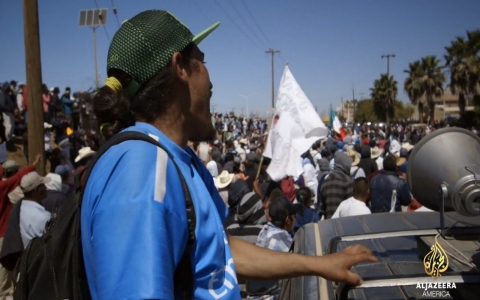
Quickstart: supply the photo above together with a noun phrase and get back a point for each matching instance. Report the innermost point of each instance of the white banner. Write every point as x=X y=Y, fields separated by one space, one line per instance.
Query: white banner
x=295 y=127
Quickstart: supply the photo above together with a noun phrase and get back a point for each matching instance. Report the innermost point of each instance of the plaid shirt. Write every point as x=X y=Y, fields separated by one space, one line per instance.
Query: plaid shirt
x=274 y=238
x=335 y=188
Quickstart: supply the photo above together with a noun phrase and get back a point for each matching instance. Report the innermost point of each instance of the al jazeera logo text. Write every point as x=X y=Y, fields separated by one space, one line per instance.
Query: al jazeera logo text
x=435 y=263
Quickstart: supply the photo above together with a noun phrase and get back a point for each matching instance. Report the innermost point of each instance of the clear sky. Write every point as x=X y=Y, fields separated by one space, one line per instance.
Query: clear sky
x=331 y=46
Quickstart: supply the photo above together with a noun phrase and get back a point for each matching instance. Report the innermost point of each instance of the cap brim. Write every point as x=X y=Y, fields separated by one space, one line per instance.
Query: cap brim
x=46 y=180
x=202 y=35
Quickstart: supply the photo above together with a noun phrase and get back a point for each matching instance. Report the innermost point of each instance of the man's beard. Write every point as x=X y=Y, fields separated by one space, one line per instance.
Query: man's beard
x=205 y=134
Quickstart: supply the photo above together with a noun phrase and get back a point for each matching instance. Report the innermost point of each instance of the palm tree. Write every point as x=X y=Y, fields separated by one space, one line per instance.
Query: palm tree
x=413 y=87
x=384 y=92
x=464 y=64
x=432 y=81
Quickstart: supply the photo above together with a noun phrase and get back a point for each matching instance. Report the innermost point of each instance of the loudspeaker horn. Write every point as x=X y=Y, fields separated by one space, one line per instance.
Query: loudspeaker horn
x=450 y=158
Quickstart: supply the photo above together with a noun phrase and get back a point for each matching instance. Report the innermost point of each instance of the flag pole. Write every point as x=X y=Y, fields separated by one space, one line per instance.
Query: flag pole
x=259 y=168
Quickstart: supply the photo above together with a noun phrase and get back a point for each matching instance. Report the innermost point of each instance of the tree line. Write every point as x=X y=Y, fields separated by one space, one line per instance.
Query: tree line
x=426 y=81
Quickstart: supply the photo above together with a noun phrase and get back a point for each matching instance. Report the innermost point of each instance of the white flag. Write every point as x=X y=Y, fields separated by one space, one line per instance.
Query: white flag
x=295 y=127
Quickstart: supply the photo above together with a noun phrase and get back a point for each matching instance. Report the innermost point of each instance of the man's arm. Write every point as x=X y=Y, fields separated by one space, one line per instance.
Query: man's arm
x=253 y=262
x=14 y=181
x=405 y=196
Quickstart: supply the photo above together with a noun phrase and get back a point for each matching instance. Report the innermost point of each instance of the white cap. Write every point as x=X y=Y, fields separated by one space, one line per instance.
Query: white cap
x=31 y=181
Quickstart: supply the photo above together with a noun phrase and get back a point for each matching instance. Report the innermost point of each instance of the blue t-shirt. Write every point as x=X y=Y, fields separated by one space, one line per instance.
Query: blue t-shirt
x=134 y=225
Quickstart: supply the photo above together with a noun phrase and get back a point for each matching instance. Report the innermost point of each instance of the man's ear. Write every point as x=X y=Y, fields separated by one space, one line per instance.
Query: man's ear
x=179 y=67
x=288 y=221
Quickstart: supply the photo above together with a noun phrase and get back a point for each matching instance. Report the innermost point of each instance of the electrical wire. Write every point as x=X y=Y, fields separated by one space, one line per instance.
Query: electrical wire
x=115 y=13
x=254 y=21
x=227 y=37
x=240 y=29
x=103 y=23
x=248 y=25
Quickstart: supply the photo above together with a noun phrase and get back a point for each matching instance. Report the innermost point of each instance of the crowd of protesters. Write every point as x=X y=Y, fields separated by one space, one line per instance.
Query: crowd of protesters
x=363 y=172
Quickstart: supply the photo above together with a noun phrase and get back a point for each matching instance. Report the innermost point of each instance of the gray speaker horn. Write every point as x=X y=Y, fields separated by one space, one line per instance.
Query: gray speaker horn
x=445 y=167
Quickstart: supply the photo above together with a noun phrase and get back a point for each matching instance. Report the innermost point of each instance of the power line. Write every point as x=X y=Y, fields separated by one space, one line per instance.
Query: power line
x=227 y=37
x=254 y=21
x=115 y=13
x=228 y=16
x=101 y=18
x=248 y=25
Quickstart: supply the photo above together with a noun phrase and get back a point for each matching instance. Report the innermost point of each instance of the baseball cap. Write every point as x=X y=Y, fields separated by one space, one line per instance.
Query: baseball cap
x=280 y=208
x=61 y=170
x=146 y=43
x=10 y=165
x=32 y=180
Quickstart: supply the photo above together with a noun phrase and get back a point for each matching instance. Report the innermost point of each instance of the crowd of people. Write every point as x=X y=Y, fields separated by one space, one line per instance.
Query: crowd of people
x=363 y=172
x=134 y=200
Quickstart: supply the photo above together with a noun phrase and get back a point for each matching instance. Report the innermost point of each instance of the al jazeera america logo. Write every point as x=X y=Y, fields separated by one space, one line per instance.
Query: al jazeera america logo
x=435 y=263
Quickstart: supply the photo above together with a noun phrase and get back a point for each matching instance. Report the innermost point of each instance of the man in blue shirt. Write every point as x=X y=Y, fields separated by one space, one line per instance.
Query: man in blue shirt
x=134 y=224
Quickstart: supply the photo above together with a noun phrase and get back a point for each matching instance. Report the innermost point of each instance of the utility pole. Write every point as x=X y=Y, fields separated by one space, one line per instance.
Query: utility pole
x=354 y=103
x=94 y=18
x=341 y=101
x=388 y=61
x=272 y=52
x=95 y=54
x=36 y=144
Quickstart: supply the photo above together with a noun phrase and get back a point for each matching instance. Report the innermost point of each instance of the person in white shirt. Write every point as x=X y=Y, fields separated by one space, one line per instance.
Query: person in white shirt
x=33 y=215
x=356 y=205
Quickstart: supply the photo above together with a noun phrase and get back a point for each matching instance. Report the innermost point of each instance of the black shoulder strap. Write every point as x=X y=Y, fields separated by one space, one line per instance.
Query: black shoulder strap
x=184 y=271
x=355 y=173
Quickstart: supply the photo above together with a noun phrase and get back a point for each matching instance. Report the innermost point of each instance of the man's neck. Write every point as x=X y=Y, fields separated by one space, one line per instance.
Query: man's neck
x=174 y=128
x=359 y=199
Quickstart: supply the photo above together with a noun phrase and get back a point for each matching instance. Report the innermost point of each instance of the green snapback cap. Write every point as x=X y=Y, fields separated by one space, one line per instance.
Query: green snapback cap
x=146 y=43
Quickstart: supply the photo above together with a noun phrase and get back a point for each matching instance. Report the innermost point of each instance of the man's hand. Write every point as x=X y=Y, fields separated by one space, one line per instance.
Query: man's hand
x=341 y=262
x=256 y=263
x=38 y=159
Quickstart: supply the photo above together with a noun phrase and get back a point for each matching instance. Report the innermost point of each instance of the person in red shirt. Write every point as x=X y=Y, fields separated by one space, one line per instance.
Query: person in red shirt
x=13 y=177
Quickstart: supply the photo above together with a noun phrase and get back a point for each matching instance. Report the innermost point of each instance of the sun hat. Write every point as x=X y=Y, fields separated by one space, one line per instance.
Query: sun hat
x=407 y=146
x=376 y=152
x=398 y=160
x=84 y=153
x=354 y=155
x=146 y=43
x=224 y=179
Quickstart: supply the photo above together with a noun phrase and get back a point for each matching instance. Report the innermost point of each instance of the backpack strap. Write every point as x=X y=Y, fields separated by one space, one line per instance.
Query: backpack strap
x=355 y=173
x=184 y=271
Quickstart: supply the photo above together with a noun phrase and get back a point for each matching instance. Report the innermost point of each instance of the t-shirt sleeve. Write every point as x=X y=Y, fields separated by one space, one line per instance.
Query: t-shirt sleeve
x=136 y=238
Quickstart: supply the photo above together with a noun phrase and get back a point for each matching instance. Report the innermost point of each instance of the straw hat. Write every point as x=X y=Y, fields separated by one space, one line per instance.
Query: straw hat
x=354 y=155
x=400 y=160
x=84 y=153
x=375 y=152
x=407 y=146
x=224 y=179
